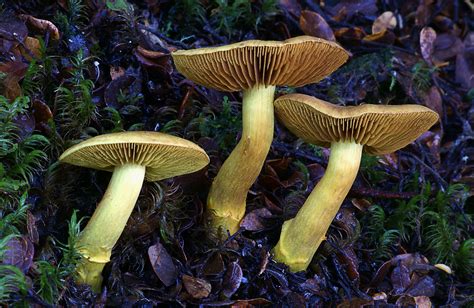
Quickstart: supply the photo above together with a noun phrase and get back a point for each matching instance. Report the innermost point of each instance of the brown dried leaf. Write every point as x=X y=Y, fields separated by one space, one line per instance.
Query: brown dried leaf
x=31 y=227
x=385 y=21
x=162 y=264
x=13 y=32
x=465 y=63
x=253 y=221
x=196 y=287
x=32 y=48
x=423 y=12
x=385 y=37
x=400 y=279
x=41 y=111
x=291 y=6
x=41 y=25
x=349 y=35
x=427 y=40
x=425 y=286
x=154 y=59
x=116 y=72
x=422 y=302
x=254 y=302
x=15 y=71
x=345 y=9
x=19 y=252
x=313 y=24
x=214 y=265
x=232 y=279
x=434 y=100
x=447 y=46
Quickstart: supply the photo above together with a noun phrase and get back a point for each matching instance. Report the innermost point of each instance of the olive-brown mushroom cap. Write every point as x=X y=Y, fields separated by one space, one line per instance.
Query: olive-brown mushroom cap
x=295 y=62
x=164 y=156
x=381 y=129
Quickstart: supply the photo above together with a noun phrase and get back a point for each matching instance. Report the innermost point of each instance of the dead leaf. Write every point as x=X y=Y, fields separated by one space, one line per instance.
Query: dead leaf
x=253 y=221
x=31 y=227
x=434 y=100
x=313 y=24
x=154 y=59
x=349 y=35
x=345 y=9
x=162 y=264
x=427 y=40
x=196 y=287
x=385 y=37
x=214 y=265
x=423 y=12
x=116 y=72
x=422 y=302
x=400 y=279
x=250 y=303
x=465 y=63
x=15 y=71
x=41 y=25
x=113 y=89
x=13 y=32
x=425 y=286
x=232 y=279
x=31 y=49
x=447 y=46
x=385 y=21
x=19 y=252
x=292 y=6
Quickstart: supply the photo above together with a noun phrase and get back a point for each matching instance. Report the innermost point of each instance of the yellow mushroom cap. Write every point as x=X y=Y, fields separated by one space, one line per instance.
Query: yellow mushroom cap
x=240 y=66
x=381 y=129
x=164 y=156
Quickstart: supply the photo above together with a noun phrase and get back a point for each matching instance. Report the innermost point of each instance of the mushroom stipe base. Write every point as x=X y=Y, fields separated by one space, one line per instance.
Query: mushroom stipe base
x=227 y=198
x=107 y=222
x=301 y=236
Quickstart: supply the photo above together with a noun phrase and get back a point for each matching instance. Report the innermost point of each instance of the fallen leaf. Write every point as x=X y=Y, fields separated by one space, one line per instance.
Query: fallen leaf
x=19 y=252
x=385 y=21
x=434 y=100
x=250 y=303
x=291 y=6
x=41 y=111
x=386 y=37
x=423 y=12
x=32 y=48
x=313 y=24
x=232 y=279
x=427 y=40
x=349 y=35
x=31 y=227
x=465 y=63
x=162 y=264
x=196 y=287
x=154 y=59
x=253 y=221
x=116 y=72
x=41 y=25
x=214 y=265
x=113 y=89
x=400 y=279
x=348 y=8
x=15 y=71
x=422 y=302
x=447 y=46
x=423 y=287
x=13 y=32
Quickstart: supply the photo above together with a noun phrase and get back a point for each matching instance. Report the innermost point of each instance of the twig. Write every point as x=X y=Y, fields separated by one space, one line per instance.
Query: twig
x=165 y=38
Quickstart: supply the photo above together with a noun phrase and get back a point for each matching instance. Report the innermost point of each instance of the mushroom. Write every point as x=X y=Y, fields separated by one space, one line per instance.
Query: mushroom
x=132 y=157
x=374 y=129
x=255 y=67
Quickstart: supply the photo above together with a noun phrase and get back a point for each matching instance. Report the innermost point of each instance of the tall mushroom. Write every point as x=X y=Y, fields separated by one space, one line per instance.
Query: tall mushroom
x=132 y=157
x=255 y=67
x=375 y=129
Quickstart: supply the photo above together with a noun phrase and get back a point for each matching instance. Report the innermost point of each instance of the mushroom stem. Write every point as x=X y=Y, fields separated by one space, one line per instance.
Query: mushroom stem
x=107 y=223
x=298 y=242
x=227 y=198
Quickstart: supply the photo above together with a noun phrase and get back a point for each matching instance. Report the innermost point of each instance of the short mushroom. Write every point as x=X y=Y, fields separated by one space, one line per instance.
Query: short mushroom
x=255 y=67
x=132 y=157
x=375 y=129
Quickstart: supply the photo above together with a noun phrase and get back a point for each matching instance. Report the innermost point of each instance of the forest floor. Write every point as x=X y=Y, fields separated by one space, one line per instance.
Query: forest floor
x=74 y=69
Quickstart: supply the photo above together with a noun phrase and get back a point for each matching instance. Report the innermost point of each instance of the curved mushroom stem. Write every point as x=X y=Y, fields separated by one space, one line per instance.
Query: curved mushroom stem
x=301 y=236
x=227 y=198
x=107 y=223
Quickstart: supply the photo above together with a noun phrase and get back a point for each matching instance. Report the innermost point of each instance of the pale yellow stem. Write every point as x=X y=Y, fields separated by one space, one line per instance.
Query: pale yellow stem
x=107 y=223
x=227 y=198
x=301 y=236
